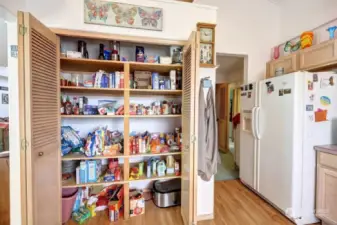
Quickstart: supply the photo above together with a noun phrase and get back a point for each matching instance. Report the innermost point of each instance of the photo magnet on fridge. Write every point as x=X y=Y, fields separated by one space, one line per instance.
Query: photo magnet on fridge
x=280 y=92
x=310 y=85
x=249 y=94
x=270 y=88
x=309 y=108
x=287 y=91
x=315 y=77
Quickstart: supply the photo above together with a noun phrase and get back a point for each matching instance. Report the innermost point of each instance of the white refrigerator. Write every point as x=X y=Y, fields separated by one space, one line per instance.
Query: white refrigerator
x=284 y=118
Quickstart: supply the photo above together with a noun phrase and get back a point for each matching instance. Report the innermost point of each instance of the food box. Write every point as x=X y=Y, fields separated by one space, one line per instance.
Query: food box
x=137 y=204
x=143 y=79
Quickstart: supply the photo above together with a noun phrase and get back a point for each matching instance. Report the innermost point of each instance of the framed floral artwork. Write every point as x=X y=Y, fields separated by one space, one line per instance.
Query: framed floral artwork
x=123 y=15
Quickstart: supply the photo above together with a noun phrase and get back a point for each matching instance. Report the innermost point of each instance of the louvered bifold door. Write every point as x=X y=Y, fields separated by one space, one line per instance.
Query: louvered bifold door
x=189 y=156
x=39 y=102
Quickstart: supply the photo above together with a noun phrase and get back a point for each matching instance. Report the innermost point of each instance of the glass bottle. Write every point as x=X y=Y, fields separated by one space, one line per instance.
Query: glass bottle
x=101 y=52
x=62 y=106
x=76 y=109
x=68 y=106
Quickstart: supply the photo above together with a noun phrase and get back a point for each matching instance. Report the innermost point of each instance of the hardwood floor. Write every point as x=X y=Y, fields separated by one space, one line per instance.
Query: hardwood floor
x=234 y=205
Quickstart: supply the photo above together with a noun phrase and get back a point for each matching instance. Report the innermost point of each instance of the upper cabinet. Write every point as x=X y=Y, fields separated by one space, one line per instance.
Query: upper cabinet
x=289 y=64
x=318 y=56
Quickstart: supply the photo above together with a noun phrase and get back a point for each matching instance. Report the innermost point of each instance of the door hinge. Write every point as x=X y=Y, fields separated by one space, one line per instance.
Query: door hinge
x=193 y=138
x=24 y=144
x=22 y=30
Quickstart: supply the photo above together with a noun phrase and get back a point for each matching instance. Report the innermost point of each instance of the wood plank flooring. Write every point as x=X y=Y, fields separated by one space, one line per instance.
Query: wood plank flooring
x=234 y=205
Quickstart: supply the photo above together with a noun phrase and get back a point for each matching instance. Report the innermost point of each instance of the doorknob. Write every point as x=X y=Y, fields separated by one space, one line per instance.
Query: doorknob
x=40 y=153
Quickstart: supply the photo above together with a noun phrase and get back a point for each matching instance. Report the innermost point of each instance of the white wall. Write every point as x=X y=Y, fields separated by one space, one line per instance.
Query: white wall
x=247 y=27
x=3 y=107
x=178 y=22
x=302 y=15
x=14 y=141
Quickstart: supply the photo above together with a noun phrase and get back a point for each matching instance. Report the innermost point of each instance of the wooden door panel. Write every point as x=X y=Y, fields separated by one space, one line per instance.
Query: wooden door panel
x=189 y=123
x=326 y=204
x=39 y=74
x=223 y=117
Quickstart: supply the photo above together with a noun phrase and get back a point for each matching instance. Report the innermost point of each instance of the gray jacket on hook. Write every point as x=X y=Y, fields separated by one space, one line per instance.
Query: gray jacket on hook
x=208 y=155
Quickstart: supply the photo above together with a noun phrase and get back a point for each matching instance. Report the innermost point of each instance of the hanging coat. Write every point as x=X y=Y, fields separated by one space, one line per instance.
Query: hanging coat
x=208 y=155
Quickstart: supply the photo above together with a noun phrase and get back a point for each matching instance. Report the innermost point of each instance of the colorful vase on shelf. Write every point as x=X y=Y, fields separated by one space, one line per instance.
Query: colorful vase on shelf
x=276 y=52
x=331 y=31
x=306 y=39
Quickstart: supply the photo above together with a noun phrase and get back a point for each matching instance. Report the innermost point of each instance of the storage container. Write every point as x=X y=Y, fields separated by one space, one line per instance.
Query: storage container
x=167 y=193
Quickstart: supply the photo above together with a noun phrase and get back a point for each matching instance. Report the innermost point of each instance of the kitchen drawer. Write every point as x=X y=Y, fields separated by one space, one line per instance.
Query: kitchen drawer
x=289 y=64
x=319 y=55
x=328 y=160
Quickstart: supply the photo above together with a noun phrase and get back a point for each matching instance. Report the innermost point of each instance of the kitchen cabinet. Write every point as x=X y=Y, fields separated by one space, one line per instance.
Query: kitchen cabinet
x=320 y=55
x=289 y=63
x=326 y=190
x=40 y=64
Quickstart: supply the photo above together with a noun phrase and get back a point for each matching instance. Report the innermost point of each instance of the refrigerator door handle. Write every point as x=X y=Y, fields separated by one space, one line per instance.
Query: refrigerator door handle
x=257 y=123
x=253 y=122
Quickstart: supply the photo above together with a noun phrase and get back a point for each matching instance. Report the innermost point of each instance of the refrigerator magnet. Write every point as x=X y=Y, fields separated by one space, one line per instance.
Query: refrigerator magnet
x=315 y=77
x=250 y=87
x=311 y=97
x=270 y=88
x=310 y=85
x=320 y=115
x=311 y=118
x=309 y=108
x=325 y=101
x=287 y=91
x=280 y=92
x=249 y=94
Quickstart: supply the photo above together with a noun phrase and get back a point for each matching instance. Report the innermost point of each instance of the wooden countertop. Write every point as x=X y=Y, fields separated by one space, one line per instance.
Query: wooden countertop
x=331 y=149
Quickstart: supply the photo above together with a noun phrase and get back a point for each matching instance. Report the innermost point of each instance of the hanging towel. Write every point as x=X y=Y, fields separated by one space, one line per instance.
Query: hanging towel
x=208 y=155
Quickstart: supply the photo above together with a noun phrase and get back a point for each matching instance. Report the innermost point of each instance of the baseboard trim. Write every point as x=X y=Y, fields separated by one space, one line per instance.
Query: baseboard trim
x=205 y=217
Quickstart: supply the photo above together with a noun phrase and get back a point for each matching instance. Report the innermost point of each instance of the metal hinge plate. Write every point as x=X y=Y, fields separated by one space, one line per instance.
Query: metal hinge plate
x=24 y=144
x=22 y=30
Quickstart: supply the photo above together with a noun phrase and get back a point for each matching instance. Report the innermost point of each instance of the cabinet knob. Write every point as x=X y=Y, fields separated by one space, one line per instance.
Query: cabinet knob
x=40 y=153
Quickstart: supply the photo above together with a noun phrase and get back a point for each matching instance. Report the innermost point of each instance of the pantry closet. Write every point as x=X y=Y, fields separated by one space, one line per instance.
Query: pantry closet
x=40 y=66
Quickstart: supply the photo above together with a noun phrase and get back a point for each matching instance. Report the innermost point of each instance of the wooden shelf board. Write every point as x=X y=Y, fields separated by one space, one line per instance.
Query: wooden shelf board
x=93 y=65
x=74 y=156
x=154 y=92
x=117 y=91
x=155 y=154
x=153 y=67
x=71 y=183
x=90 y=65
x=92 y=116
x=153 y=178
x=155 y=116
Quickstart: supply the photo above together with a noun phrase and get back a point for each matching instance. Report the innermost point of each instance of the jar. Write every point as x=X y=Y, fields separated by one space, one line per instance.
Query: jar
x=76 y=80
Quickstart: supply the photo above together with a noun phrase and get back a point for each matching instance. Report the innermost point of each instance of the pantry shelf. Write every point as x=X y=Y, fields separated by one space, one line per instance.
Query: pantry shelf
x=75 y=156
x=155 y=92
x=90 y=65
x=155 y=67
x=109 y=91
x=153 y=178
x=156 y=116
x=71 y=183
x=155 y=154
x=92 y=116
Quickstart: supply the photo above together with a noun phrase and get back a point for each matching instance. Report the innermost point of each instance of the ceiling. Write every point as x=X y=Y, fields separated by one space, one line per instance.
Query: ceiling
x=228 y=62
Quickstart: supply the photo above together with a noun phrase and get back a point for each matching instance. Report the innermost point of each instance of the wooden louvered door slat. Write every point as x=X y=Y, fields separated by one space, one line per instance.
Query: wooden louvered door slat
x=39 y=121
x=189 y=123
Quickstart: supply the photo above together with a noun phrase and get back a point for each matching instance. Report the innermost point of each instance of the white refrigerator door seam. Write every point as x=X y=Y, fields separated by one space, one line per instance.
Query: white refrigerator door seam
x=257 y=123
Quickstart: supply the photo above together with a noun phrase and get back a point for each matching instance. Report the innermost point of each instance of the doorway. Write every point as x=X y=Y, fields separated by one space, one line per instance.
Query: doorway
x=229 y=77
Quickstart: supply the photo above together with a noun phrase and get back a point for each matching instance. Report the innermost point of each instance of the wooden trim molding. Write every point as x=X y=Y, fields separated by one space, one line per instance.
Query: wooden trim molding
x=205 y=217
x=191 y=1
x=118 y=37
